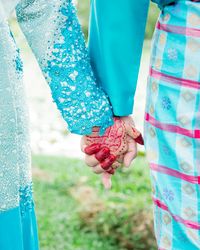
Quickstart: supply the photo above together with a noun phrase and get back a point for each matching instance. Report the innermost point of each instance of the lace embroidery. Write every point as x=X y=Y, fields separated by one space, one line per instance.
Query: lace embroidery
x=66 y=64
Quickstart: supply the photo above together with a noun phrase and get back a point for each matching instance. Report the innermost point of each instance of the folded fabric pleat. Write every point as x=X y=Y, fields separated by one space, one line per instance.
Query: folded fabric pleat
x=17 y=231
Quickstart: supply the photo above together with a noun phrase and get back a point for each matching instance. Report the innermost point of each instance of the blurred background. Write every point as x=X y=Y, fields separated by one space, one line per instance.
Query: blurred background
x=74 y=211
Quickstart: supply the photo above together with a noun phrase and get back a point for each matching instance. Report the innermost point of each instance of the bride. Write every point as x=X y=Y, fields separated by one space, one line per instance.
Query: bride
x=55 y=37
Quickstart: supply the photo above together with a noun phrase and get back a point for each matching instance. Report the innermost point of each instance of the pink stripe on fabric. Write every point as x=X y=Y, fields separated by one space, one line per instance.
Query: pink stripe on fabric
x=175 y=173
x=177 y=218
x=178 y=29
x=172 y=128
x=175 y=80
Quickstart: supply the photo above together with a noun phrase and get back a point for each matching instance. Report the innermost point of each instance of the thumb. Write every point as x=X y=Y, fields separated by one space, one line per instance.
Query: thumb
x=135 y=134
x=106 y=180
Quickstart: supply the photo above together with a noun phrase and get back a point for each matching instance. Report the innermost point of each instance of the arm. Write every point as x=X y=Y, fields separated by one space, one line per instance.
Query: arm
x=117 y=30
x=54 y=34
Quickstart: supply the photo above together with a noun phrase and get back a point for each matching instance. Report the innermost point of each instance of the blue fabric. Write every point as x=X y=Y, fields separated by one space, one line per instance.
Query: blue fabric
x=162 y=3
x=18 y=229
x=54 y=34
x=172 y=126
x=64 y=60
x=116 y=36
x=18 y=232
x=117 y=29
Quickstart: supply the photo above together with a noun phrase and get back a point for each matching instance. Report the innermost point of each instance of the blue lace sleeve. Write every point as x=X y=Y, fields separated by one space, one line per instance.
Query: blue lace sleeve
x=53 y=32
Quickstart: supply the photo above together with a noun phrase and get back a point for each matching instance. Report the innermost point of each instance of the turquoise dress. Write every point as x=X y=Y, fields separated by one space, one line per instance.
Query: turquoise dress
x=172 y=114
x=54 y=35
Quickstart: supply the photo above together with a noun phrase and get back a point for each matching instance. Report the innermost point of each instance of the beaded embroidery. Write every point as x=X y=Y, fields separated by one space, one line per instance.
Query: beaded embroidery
x=64 y=60
x=26 y=199
x=18 y=62
x=15 y=164
x=55 y=36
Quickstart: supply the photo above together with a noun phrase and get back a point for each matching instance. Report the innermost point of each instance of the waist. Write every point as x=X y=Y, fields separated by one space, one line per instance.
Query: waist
x=181 y=18
x=163 y=3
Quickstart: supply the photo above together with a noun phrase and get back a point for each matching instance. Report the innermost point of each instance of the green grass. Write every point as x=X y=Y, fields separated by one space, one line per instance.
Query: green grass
x=76 y=213
x=83 y=12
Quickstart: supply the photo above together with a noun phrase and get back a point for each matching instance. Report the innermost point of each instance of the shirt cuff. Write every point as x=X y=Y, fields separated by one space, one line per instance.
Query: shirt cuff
x=123 y=106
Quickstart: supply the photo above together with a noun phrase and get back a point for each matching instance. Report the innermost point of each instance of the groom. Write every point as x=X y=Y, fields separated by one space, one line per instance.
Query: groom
x=115 y=56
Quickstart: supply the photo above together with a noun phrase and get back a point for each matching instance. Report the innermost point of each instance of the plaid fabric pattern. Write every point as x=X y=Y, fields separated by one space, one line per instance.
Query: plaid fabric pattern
x=172 y=126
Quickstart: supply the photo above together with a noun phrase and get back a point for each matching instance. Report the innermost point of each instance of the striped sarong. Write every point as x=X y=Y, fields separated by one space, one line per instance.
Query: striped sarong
x=172 y=126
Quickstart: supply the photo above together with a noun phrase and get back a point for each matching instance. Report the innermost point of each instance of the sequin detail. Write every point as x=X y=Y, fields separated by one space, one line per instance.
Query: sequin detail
x=65 y=62
x=26 y=199
x=19 y=63
x=15 y=164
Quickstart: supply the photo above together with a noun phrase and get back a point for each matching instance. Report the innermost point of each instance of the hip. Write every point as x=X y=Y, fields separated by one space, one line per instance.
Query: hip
x=173 y=91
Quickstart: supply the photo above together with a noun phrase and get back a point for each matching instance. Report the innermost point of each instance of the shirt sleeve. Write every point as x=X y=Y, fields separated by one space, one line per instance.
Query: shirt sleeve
x=116 y=36
x=54 y=34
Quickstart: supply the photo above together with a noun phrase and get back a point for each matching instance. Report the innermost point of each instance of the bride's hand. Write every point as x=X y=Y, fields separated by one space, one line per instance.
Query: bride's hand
x=118 y=145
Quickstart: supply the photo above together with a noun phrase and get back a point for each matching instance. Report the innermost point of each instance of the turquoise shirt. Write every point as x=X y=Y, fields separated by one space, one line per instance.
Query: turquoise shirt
x=117 y=29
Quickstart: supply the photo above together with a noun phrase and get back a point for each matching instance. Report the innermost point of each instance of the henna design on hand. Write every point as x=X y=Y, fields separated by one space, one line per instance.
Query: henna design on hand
x=102 y=154
x=111 y=171
x=92 y=149
x=114 y=138
x=107 y=163
x=114 y=147
x=138 y=136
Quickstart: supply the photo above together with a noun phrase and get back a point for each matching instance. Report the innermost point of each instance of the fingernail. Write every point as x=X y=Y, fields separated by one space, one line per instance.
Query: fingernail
x=111 y=171
x=140 y=139
x=102 y=154
x=107 y=163
x=92 y=149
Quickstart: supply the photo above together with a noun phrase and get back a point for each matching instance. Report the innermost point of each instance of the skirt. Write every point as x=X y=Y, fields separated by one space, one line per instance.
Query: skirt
x=172 y=126
x=18 y=227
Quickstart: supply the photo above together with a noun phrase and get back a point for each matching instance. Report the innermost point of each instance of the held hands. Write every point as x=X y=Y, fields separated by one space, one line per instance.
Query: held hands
x=104 y=154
